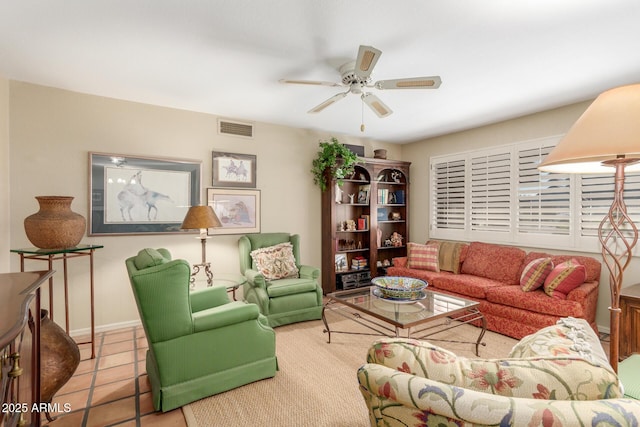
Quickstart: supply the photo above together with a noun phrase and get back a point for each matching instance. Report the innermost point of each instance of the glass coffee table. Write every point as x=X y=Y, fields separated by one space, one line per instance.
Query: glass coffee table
x=436 y=313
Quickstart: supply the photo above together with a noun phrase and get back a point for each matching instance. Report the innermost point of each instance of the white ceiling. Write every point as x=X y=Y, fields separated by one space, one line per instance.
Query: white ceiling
x=498 y=59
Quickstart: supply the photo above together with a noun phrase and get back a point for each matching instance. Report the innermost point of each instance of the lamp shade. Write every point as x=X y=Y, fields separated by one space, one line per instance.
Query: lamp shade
x=200 y=217
x=607 y=130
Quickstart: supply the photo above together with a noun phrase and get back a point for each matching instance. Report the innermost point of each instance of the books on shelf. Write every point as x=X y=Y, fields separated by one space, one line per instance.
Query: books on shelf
x=363 y=222
x=390 y=197
x=359 y=263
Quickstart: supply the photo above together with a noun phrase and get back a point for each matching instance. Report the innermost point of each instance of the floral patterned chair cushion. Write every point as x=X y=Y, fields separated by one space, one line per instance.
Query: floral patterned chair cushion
x=398 y=399
x=564 y=382
x=564 y=377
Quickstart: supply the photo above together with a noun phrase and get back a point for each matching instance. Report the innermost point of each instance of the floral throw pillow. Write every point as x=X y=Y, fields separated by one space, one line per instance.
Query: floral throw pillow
x=275 y=262
x=423 y=257
x=564 y=278
x=534 y=274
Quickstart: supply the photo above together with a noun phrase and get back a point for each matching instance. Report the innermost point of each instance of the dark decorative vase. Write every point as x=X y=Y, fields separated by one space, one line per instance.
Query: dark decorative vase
x=55 y=225
x=59 y=357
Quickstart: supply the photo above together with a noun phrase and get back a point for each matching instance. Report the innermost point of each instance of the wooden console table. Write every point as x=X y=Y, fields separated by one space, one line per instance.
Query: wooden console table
x=20 y=347
x=50 y=255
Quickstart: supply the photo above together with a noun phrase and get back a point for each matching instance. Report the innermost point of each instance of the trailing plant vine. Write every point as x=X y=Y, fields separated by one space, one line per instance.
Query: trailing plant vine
x=335 y=158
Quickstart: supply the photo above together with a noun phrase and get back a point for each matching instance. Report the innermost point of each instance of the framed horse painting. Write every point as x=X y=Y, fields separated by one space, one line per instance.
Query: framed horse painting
x=234 y=170
x=140 y=195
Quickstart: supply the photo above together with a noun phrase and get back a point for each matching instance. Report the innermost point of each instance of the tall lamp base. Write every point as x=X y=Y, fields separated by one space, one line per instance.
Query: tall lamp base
x=206 y=267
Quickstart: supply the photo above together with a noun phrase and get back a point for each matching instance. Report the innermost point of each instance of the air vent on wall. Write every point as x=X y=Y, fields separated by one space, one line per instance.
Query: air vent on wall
x=226 y=127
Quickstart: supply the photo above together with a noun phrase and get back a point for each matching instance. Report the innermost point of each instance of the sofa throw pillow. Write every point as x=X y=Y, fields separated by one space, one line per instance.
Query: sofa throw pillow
x=275 y=262
x=450 y=254
x=423 y=257
x=564 y=278
x=535 y=273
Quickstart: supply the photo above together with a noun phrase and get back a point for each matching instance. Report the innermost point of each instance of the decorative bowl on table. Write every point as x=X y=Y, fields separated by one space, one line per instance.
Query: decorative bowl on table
x=399 y=288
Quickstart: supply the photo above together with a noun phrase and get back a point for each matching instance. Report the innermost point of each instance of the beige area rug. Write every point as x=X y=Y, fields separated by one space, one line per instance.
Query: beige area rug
x=316 y=384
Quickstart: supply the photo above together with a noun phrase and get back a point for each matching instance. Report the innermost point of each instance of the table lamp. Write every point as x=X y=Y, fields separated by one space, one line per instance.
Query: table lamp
x=202 y=218
x=606 y=139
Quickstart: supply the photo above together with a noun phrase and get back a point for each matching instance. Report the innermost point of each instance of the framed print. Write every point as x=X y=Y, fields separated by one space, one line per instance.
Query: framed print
x=140 y=195
x=237 y=210
x=234 y=170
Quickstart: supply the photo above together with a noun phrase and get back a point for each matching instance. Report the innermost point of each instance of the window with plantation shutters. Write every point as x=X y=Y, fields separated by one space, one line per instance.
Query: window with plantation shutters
x=448 y=195
x=498 y=195
x=596 y=196
x=544 y=199
x=491 y=193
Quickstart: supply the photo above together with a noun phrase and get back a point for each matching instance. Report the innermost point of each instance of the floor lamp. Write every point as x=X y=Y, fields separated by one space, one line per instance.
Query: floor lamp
x=606 y=139
x=202 y=218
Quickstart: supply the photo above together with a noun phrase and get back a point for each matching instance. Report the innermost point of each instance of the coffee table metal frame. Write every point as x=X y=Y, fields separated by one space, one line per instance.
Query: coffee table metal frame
x=388 y=318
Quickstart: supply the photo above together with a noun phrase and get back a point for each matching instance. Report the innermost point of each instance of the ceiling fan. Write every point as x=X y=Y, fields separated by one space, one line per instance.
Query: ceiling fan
x=356 y=76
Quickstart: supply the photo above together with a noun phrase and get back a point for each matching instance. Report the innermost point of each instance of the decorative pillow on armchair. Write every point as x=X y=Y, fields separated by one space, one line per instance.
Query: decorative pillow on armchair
x=275 y=262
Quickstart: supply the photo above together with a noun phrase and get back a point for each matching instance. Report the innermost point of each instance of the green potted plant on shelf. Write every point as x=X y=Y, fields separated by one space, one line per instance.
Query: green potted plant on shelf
x=334 y=161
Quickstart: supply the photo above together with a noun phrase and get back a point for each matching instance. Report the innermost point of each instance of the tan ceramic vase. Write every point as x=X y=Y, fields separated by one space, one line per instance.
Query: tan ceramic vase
x=55 y=225
x=60 y=357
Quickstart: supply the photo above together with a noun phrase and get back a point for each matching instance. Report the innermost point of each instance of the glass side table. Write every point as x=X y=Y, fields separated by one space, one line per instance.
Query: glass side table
x=50 y=255
x=230 y=281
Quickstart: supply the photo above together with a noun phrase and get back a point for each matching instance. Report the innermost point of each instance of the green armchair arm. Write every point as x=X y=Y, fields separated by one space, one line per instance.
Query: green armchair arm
x=255 y=279
x=309 y=272
x=203 y=299
x=224 y=315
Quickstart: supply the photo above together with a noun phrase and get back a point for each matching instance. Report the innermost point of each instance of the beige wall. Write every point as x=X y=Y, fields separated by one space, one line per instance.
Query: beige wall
x=51 y=133
x=4 y=174
x=46 y=135
x=535 y=126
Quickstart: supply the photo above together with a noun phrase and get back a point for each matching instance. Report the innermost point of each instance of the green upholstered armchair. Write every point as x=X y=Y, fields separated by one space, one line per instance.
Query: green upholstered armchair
x=200 y=343
x=286 y=300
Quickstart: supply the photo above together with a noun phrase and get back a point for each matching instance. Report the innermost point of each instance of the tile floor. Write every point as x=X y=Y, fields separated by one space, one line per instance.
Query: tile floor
x=112 y=389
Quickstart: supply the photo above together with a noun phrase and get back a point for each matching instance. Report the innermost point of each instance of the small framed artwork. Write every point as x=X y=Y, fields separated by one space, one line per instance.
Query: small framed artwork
x=140 y=195
x=234 y=170
x=238 y=210
x=341 y=262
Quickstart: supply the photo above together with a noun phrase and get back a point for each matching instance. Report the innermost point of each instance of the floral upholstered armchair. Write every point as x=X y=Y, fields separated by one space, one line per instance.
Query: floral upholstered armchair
x=558 y=376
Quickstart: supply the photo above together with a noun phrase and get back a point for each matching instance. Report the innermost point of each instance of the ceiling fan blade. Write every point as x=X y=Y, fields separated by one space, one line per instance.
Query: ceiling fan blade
x=376 y=105
x=367 y=58
x=310 y=82
x=328 y=102
x=431 y=82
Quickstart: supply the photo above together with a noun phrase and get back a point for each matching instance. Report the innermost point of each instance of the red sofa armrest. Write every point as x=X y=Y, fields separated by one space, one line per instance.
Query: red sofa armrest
x=587 y=296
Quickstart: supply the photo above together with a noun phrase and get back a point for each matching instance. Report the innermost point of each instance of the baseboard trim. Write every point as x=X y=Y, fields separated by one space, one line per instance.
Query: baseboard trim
x=105 y=328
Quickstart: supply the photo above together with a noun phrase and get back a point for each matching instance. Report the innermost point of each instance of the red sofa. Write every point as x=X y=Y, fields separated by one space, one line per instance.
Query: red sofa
x=490 y=274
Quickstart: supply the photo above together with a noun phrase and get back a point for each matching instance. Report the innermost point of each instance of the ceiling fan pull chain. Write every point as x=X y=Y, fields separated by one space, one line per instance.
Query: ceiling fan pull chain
x=362 y=109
